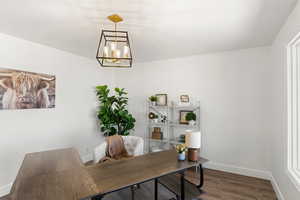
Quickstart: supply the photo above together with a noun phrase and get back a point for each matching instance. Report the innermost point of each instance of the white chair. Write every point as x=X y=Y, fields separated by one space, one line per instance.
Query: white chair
x=133 y=144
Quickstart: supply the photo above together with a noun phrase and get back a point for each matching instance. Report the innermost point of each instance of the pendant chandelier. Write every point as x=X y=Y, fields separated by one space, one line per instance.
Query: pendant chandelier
x=114 y=47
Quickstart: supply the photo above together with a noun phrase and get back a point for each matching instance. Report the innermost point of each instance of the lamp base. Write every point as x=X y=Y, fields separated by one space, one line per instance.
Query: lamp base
x=193 y=154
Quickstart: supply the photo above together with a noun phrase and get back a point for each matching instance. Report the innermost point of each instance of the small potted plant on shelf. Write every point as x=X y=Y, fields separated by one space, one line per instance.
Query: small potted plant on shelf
x=153 y=117
x=191 y=118
x=181 y=149
x=153 y=100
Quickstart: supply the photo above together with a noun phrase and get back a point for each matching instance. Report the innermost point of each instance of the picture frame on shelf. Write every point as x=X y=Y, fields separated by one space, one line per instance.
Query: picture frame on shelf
x=184 y=98
x=182 y=115
x=162 y=99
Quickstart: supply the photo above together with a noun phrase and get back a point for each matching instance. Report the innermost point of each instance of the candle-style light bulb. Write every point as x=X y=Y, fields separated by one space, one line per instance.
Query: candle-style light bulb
x=106 y=51
x=113 y=46
x=117 y=56
x=118 y=53
x=126 y=51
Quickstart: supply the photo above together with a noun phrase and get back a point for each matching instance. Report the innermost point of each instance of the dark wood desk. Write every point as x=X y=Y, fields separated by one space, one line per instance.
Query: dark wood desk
x=60 y=175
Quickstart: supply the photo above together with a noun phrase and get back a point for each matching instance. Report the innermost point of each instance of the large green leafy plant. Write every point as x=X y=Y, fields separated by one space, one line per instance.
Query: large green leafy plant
x=113 y=114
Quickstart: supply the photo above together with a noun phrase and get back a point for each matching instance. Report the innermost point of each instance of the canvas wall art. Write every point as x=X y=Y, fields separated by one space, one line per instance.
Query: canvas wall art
x=26 y=90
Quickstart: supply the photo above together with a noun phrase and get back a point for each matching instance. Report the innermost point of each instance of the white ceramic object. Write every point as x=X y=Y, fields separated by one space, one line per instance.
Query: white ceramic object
x=192 y=123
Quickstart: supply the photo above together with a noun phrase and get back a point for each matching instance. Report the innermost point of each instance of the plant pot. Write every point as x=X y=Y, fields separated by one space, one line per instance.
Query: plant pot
x=181 y=156
x=192 y=123
x=153 y=103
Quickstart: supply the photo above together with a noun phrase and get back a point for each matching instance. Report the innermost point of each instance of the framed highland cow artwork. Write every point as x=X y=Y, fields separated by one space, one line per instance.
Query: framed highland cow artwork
x=26 y=90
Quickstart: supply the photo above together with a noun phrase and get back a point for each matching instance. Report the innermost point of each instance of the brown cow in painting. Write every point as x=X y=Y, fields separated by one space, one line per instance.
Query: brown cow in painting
x=24 y=90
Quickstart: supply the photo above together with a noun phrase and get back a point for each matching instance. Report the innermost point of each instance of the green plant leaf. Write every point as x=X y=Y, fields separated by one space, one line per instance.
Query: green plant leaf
x=113 y=115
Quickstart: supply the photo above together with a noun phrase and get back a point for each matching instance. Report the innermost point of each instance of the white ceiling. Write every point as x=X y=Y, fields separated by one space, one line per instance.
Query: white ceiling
x=159 y=29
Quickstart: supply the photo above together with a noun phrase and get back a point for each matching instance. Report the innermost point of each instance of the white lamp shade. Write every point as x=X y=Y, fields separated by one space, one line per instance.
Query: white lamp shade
x=193 y=140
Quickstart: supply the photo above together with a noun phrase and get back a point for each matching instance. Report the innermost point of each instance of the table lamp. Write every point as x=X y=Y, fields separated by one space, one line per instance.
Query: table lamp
x=193 y=143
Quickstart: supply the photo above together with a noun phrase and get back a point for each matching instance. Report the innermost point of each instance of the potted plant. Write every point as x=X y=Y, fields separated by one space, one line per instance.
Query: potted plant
x=191 y=118
x=153 y=116
x=155 y=119
x=153 y=100
x=113 y=115
x=181 y=149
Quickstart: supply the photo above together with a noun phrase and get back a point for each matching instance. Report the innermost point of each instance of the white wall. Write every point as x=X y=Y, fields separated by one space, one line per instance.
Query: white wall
x=233 y=90
x=242 y=95
x=278 y=137
x=71 y=123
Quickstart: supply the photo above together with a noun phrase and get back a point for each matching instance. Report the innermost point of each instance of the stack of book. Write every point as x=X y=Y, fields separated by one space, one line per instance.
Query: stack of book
x=157 y=134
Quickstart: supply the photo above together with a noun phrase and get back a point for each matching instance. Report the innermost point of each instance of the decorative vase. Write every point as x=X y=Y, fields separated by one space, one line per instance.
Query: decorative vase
x=181 y=156
x=153 y=103
x=155 y=120
x=192 y=123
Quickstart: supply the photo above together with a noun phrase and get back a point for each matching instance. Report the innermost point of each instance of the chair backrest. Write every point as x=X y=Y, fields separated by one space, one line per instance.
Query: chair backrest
x=133 y=144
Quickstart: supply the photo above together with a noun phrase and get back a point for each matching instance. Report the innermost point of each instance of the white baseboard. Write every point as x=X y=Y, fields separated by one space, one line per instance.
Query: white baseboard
x=238 y=170
x=5 y=190
x=247 y=172
x=276 y=188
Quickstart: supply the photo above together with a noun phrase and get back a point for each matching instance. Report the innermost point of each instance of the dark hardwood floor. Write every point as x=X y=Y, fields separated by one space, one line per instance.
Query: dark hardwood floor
x=217 y=186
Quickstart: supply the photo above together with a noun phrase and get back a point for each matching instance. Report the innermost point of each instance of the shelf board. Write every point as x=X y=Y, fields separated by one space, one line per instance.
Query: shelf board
x=158 y=140
x=172 y=124
x=176 y=142
x=159 y=107
x=190 y=107
x=183 y=125
x=152 y=124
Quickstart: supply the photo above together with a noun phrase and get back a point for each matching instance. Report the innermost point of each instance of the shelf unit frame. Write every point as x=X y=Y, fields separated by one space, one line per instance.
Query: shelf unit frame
x=171 y=128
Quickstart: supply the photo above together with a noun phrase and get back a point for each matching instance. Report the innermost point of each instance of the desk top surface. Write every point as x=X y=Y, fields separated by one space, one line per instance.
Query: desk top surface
x=60 y=174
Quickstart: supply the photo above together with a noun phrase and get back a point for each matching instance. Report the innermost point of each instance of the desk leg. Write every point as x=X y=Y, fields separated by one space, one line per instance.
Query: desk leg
x=132 y=192
x=155 y=189
x=182 y=192
x=201 y=178
x=99 y=197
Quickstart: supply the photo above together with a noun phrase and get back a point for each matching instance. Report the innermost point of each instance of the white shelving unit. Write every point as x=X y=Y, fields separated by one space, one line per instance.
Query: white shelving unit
x=172 y=128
